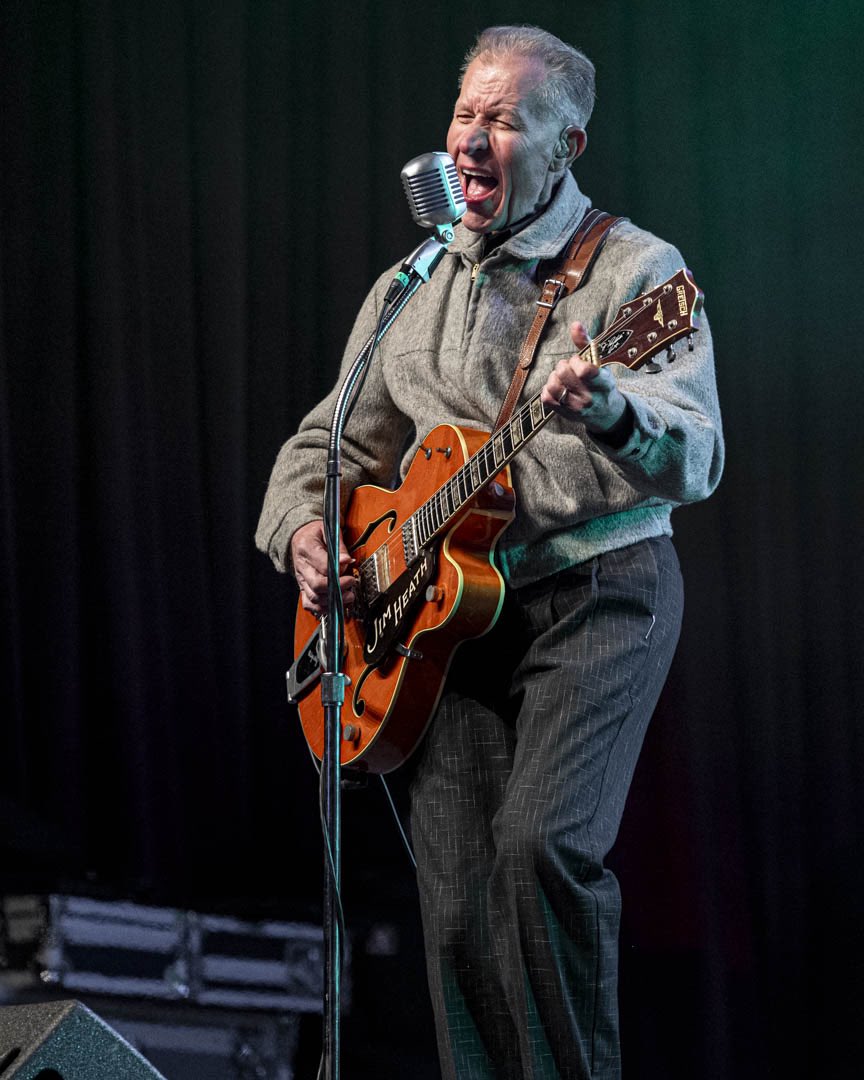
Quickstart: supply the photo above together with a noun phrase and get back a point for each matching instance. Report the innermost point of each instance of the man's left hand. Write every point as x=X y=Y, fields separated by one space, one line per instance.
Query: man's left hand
x=580 y=391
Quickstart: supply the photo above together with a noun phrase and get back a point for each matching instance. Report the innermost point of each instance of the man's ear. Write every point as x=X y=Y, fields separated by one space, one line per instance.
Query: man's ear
x=571 y=143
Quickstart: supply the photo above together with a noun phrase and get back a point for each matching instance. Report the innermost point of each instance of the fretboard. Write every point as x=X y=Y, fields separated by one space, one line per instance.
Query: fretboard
x=438 y=512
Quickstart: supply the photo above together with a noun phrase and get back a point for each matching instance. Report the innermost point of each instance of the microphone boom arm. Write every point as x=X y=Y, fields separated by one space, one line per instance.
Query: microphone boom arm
x=333 y=680
x=421 y=262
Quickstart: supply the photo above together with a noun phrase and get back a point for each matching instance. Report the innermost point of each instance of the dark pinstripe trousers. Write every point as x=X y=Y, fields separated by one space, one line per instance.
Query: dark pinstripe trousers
x=516 y=801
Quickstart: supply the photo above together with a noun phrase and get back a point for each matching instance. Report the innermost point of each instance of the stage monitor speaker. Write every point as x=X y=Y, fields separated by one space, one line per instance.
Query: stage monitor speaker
x=64 y=1040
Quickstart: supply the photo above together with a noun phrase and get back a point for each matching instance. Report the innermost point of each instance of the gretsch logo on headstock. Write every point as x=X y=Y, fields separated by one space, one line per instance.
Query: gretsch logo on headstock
x=658 y=314
x=613 y=343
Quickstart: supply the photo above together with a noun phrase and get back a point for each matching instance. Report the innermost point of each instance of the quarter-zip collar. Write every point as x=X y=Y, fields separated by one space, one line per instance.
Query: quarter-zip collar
x=542 y=238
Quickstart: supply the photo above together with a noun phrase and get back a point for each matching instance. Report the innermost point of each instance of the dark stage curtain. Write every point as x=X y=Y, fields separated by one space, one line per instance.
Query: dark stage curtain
x=181 y=183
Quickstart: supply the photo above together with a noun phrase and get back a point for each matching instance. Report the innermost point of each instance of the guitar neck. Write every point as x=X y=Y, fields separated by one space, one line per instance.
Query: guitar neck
x=437 y=514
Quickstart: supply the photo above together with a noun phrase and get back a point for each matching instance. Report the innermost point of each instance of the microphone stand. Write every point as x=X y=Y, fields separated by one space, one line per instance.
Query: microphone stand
x=416 y=270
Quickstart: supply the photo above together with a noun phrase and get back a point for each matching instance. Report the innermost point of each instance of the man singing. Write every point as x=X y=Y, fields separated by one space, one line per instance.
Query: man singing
x=521 y=779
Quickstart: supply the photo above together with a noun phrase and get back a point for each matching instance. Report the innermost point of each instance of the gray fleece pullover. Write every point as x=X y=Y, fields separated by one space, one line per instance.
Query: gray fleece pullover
x=450 y=357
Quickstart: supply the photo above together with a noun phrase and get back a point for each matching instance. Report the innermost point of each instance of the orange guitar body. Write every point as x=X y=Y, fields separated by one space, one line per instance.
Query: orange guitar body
x=389 y=705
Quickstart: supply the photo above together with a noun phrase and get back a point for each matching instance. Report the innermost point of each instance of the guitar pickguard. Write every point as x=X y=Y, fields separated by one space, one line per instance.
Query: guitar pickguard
x=387 y=616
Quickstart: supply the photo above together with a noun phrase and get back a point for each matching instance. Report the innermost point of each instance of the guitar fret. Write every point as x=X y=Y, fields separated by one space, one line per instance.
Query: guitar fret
x=507 y=442
x=461 y=486
x=536 y=414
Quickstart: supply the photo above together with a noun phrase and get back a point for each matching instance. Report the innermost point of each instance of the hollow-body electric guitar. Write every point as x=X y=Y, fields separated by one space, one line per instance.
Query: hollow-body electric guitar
x=424 y=556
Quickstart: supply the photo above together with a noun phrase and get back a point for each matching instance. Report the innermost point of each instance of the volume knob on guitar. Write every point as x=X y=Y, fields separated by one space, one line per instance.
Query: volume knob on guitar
x=434 y=594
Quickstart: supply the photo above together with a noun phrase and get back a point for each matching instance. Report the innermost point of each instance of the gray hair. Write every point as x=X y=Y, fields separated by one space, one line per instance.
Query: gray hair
x=568 y=92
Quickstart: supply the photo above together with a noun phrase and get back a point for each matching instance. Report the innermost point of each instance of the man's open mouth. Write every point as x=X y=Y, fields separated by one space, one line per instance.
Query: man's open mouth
x=477 y=184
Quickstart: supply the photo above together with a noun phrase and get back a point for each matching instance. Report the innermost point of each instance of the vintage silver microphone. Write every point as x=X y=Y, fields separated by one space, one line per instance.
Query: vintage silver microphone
x=437 y=202
x=434 y=193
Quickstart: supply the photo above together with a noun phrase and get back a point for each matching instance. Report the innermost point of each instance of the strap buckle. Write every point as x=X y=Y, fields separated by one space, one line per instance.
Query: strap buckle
x=556 y=296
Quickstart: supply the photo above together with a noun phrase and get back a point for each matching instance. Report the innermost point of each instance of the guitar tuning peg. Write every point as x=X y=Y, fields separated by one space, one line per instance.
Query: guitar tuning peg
x=689 y=343
x=670 y=354
x=652 y=368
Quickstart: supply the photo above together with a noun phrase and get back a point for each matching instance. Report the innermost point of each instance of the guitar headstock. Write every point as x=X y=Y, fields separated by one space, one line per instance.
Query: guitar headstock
x=651 y=322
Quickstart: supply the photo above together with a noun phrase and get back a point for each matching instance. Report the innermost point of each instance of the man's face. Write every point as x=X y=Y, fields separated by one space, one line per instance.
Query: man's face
x=503 y=145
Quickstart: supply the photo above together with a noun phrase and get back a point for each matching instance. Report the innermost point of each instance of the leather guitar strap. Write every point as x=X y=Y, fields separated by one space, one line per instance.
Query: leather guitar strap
x=582 y=251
